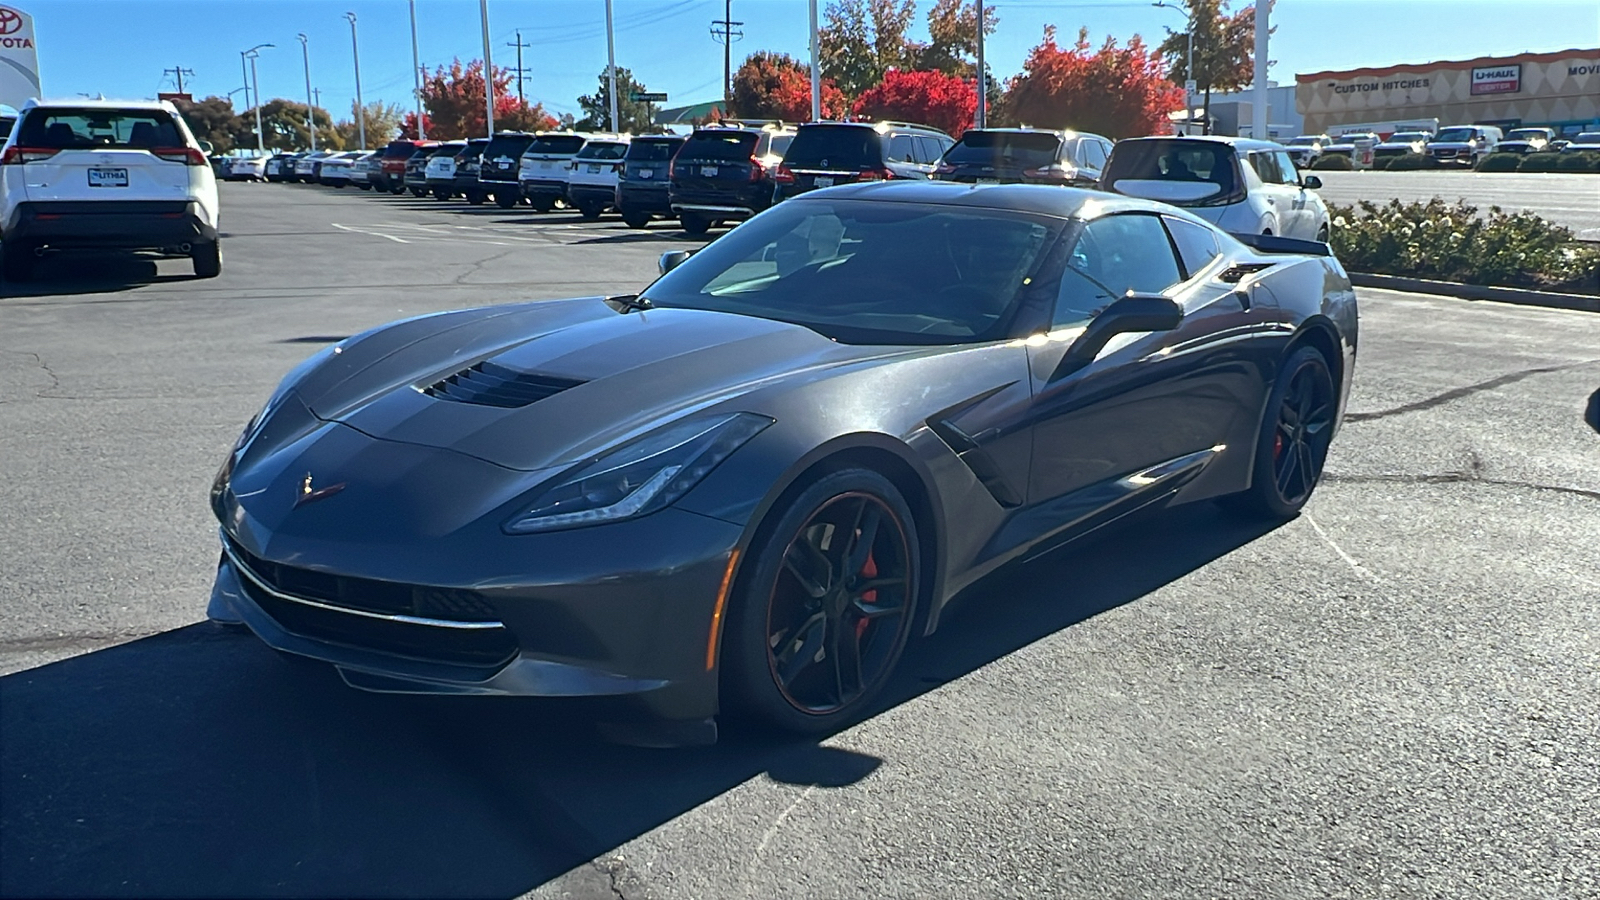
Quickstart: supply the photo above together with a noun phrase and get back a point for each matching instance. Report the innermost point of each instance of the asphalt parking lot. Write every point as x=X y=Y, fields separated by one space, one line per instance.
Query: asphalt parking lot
x=1391 y=695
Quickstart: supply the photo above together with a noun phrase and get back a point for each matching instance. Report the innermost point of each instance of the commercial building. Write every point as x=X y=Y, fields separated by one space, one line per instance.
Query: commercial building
x=1231 y=113
x=1559 y=90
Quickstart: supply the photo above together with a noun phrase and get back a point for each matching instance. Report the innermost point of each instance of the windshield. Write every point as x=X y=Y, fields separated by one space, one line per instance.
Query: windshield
x=1588 y=137
x=1406 y=137
x=652 y=151
x=1029 y=149
x=868 y=272
x=64 y=129
x=1456 y=134
x=1305 y=141
x=1522 y=134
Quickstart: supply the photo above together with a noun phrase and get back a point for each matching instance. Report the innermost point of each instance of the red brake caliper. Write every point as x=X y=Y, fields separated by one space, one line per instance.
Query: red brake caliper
x=869 y=570
x=1277 y=445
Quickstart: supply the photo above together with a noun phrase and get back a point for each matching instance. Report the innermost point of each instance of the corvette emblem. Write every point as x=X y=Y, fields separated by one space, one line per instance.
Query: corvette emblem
x=311 y=495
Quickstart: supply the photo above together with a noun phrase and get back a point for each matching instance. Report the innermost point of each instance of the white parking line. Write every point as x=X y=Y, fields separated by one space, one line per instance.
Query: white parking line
x=370 y=233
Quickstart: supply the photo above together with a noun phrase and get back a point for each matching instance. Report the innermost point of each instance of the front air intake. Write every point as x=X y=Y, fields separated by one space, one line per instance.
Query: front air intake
x=490 y=384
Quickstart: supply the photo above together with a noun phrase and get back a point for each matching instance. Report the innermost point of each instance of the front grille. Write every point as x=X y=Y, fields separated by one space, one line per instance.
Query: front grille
x=370 y=595
x=479 y=647
x=491 y=384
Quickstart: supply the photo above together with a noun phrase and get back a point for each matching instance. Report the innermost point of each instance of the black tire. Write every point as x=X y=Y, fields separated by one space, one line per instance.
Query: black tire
x=542 y=204
x=476 y=199
x=16 y=261
x=506 y=199
x=808 y=657
x=440 y=194
x=1292 y=444
x=397 y=190
x=419 y=193
x=591 y=210
x=207 y=259
x=636 y=219
x=694 y=224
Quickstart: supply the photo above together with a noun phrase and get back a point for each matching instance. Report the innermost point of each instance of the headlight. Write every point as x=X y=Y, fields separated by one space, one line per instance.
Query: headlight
x=640 y=477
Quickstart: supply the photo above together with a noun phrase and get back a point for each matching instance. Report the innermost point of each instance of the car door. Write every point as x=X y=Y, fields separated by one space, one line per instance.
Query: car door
x=1148 y=400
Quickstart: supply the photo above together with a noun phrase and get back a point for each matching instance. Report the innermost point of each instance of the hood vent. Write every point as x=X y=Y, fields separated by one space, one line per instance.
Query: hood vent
x=490 y=384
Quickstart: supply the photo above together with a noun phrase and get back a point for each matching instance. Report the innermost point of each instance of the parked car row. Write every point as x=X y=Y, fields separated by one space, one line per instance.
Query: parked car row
x=726 y=173
x=1458 y=145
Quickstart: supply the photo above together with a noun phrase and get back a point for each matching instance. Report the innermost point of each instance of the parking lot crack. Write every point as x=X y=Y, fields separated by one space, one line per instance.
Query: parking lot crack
x=41 y=365
x=1464 y=391
x=1470 y=477
x=478 y=266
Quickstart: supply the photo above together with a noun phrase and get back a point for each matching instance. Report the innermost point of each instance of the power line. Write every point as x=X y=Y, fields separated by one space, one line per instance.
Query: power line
x=520 y=76
x=178 y=71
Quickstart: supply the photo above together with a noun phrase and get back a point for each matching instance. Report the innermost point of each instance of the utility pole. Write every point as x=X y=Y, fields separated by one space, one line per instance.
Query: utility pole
x=416 y=74
x=311 y=111
x=520 y=77
x=256 y=80
x=179 y=72
x=723 y=31
x=816 y=68
x=247 y=61
x=361 y=109
x=488 y=67
x=611 y=66
x=1258 y=98
x=983 y=93
x=1188 y=69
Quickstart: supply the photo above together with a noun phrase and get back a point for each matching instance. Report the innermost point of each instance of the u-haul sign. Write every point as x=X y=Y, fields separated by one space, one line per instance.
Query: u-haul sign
x=1497 y=79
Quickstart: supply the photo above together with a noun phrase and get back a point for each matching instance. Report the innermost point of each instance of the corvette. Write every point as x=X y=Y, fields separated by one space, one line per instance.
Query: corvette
x=745 y=489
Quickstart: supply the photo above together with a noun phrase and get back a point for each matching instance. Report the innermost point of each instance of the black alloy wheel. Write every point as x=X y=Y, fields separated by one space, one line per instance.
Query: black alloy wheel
x=1296 y=431
x=827 y=606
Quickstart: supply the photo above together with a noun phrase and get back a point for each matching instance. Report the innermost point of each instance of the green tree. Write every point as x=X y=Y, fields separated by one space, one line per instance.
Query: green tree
x=211 y=119
x=634 y=117
x=283 y=125
x=953 y=32
x=1224 y=50
x=383 y=123
x=862 y=39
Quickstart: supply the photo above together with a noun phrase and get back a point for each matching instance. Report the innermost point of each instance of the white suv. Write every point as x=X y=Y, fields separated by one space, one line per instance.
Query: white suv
x=105 y=175
x=592 y=186
x=1240 y=185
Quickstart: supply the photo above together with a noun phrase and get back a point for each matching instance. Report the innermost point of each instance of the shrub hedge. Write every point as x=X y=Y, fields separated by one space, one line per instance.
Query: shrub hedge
x=1329 y=160
x=1500 y=162
x=1413 y=161
x=1540 y=162
x=1451 y=242
x=1584 y=161
x=1382 y=162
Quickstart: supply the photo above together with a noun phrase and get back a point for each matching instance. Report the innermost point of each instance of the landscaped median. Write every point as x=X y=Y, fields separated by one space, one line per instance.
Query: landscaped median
x=1441 y=242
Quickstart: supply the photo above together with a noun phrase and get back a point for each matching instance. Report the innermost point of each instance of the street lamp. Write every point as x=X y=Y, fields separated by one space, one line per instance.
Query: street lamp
x=1188 y=70
x=311 y=115
x=361 y=111
x=251 y=79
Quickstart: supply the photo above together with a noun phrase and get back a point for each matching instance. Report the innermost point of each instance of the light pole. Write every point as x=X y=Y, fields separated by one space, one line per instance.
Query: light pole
x=249 y=69
x=311 y=111
x=1258 y=104
x=611 y=67
x=361 y=109
x=488 y=68
x=982 y=118
x=816 y=68
x=416 y=73
x=1188 y=69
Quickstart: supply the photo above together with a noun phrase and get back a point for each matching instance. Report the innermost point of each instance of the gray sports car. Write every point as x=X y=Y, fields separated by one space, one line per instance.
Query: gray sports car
x=746 y=488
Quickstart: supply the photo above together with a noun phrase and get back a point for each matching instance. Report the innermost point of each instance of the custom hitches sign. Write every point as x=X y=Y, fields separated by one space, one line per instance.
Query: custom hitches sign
x=19 y=60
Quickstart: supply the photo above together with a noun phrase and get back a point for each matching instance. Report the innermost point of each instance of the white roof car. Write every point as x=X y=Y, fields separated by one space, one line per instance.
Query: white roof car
x=247 y=168
x=1588 y=140
x=592 y=186
x=1238 y=184
x=544 y=168
x=130 y=173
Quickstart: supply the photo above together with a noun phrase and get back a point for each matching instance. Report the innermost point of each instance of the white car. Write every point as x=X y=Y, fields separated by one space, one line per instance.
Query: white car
x=546 y=166
x=105 y=175
x=247 y=168
x=1307 y=147
x=1401 y=143
x=1240 y=185
x=592 y=185
x=1464 y=145
x=306 y=167
x=361 y=170
x=1587 y=141
x=335 y=170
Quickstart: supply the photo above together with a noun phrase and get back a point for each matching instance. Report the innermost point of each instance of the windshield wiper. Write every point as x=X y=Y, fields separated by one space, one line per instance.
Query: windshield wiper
x=631 y=301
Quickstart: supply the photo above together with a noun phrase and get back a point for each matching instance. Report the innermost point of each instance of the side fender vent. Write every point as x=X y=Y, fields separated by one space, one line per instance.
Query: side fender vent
x=1236 y=272
x=490 y=384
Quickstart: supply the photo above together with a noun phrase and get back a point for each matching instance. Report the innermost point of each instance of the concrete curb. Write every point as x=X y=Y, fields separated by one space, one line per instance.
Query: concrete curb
x=1582 y=302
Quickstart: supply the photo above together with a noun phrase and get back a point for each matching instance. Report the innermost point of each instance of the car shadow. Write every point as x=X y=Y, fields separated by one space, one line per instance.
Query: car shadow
x=665 y=232
x=98 y=273
x=200 y=763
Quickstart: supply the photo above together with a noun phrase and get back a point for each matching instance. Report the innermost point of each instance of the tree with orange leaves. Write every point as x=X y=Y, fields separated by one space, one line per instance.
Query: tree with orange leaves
x=1114 y=91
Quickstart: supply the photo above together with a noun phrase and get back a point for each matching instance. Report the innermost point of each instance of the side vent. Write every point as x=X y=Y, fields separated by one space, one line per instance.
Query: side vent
x=1236 y=272
x=490 y=384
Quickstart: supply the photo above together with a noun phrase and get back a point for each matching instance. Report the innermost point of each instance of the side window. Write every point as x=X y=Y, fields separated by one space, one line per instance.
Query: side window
x=929 y=150
x=1127 y=253
x=1266 y=167
x=900 y=149
x=1092 y=155
x=1287 y=168
x=1197 y=245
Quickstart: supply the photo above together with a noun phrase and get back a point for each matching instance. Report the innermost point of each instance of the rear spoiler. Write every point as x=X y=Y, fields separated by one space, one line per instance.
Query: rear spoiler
x=1271 y=243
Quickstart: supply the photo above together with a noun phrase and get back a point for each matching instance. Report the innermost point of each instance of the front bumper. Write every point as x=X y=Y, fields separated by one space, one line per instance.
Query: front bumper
x=622 y=610
x=119 y=224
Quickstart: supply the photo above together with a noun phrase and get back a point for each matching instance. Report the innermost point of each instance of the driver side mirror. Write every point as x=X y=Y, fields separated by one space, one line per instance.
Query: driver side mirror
x=207 y=147
x=1311 y=182
x=1132 y=313
x=672 y=259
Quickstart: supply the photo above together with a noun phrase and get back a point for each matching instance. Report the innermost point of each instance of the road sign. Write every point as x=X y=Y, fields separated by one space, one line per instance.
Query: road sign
x=648 y=97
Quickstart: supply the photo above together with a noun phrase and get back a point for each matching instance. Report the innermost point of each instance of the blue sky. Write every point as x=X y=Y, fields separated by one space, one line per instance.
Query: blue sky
x=120 y=47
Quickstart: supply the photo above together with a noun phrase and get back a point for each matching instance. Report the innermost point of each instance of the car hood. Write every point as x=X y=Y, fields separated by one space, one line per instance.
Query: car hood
x=597 y=377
